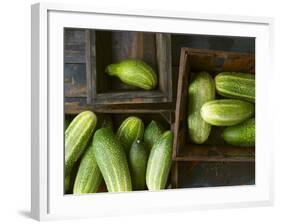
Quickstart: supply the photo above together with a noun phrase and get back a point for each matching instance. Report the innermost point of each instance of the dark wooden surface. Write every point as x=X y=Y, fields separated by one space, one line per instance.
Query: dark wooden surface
x=210 y=174
x=214 y=153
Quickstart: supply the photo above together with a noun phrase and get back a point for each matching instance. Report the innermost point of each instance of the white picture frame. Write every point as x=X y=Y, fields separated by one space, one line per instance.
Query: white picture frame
x=48 y=200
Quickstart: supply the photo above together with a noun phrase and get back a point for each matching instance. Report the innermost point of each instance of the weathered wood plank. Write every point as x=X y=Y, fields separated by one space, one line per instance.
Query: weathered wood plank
x=210 y=174
x=75 y=80
x=74 y=45
x=192 y=152
x=224 y=43
x=77 y=105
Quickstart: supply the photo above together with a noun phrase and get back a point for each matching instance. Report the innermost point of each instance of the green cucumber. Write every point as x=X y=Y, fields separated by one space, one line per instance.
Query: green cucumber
x=129 y=131
x=137 y=162
x=236 y=85
x=152 y=133
x=227 y=112
x=112 y=161
x=88 y=178
x=134 y=72
x=200 y=91
x=77 y=137
x=242 y=134
x=159 y=162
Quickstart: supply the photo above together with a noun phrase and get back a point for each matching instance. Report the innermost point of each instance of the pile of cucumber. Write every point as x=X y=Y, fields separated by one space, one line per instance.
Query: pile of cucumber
x=234 y=109
x=133 y=158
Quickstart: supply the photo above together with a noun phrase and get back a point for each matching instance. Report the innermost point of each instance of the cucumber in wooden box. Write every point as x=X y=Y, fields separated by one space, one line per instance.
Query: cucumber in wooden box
x=88 y=178
x=129 y=131
x=134 y=72
x=242 y=134
x=236 y=85
x=137 y=162
x=77 y=136
x=112 y=161
x=152 y=133
x=159 y=162
x=227 y=112
x=200 y=91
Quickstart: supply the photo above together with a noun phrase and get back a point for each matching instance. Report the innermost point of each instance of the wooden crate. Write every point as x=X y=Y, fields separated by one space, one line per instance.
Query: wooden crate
x=214 y=150
x=106 y=47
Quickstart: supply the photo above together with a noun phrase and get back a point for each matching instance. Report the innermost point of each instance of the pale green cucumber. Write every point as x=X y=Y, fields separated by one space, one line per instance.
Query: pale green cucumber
x=129 y=131
x=159 y=162
x=152 y=133
x=77 y=137
x=134 y=72
x=88 y=178
x=200 y=91
x=236 y=85
x=227 y=112
x=112 y=161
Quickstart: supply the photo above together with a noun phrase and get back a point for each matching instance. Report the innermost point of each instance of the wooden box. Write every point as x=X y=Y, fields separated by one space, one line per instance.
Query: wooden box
x=214 y=150
x=106 y=47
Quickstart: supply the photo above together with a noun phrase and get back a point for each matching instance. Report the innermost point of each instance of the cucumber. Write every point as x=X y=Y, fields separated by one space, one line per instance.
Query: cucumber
x=77 y=137
x=137 y=162
x=104 y=121
x=242 y=134
x=159 y=162
x=111 y=159
x=200 y=91
x=134 y=72
x=226 y=112
x=129 y=131
x=236 y=85
x=88 y=178
x=152 y=133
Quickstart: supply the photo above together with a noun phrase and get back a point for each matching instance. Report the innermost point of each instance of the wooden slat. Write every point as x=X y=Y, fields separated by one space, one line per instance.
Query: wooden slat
x=180 y=104
x=74 y=46
x=89 y=63
x=164 y=58
x=75 y=84
x=209 y=174
x=192 y=152
x=77 y=105
x=225 y=43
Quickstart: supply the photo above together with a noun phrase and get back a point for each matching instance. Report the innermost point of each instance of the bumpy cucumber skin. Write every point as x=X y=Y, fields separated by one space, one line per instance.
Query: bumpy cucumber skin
x=129 y=131
x=152 y=133
x=159 y=162
x=236 y=85
x=77 y=137
x=242 y=135
x=138 y=157
x=88 y=178
x=227 y=112
x=200 y=91
x=134 y=72
x=112 y=161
